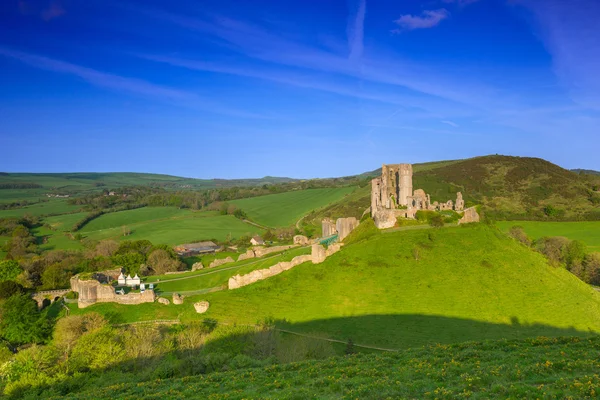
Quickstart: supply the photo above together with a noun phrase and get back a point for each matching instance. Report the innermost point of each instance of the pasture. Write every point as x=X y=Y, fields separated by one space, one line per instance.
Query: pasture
x=190 y=227
x=52 y=207
x=284 y=209
x=586 y=231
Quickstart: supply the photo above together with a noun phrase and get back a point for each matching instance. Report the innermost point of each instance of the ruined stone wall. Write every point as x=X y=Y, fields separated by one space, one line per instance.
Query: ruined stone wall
x=470 y=215
x=328 y=228
x=318 y=255
x=301 y=240
x=263 y=251
x=220 y=261
x=344 y=226
x=92 y=291
x=460 y=203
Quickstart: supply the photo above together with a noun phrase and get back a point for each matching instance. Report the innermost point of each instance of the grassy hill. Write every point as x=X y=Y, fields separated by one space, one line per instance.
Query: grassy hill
x=536 y=368
x=468 y=283
x=507 y=187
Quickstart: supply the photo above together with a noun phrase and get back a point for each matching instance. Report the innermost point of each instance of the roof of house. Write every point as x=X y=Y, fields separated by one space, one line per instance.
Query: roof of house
x=258 y=239
x=198 y=245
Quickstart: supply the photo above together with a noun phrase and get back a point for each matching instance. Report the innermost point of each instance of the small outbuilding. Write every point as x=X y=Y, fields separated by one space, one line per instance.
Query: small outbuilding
x=257 y=241
x=190 y=249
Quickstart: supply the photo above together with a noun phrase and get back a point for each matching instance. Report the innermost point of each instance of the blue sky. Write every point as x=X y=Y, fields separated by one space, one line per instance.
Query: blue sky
x=305 y=88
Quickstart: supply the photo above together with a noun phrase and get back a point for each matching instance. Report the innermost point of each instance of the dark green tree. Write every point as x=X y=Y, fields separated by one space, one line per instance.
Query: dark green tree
x=21 y=322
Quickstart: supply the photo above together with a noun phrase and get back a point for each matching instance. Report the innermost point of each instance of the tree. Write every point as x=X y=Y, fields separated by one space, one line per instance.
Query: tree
x=575 y=252
x=160 y=262
x=10 y=288
x=9 y=270
x=106 y=248
x=592 y=268
x=21 y=322
x=436 y=221
x=55 y=277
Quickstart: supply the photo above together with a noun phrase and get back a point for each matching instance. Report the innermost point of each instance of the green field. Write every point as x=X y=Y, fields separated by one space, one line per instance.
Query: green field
x=586 y=231
x=64 y=222
x=284 y=209
x=55 y=206
x=565 y=368
x=182 y=230
x=140 y=216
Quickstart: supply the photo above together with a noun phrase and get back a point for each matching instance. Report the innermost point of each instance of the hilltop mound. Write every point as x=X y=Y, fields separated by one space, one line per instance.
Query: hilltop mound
x=514 y=187
x=508 y=188
x=540 y=368
x=410 y=288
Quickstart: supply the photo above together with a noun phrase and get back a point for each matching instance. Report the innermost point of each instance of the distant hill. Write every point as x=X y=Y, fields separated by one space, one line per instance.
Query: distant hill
x=507 y=187
x=586 y=171
x=36 y=184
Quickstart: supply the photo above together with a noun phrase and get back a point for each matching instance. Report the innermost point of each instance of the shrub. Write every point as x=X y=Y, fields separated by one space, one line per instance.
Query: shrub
x=518 y=233
x=436 y=221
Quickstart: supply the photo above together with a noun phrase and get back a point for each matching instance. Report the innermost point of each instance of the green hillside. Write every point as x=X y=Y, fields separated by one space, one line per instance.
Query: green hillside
x=507 y=187
x=284 y=209
x=536 y=368
x=469 y=283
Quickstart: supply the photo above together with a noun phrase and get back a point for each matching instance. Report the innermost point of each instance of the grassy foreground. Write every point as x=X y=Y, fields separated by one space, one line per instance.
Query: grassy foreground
x=533 y=368
x=586 y=231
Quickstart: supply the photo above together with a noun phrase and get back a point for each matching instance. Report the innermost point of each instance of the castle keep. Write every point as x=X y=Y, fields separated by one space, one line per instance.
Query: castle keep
x=392 y=196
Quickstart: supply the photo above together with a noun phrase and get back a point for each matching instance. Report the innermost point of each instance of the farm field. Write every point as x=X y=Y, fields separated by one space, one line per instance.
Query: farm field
x=55 y=240
x=64 y=222
x=140 y=215
x=284 y=209
x=586 y=231
x=54 y=206
x=172 y=231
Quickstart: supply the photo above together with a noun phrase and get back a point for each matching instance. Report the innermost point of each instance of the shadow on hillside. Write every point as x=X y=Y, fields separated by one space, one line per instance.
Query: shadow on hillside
x=246 y=347
x=413 y=330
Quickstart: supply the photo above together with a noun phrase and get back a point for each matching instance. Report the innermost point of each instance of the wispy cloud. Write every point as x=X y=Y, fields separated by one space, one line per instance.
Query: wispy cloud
x=454 y=124
x=44 y=10
x=356 y=28
x=120 y=83
x=461 y=3
x=569 y=31
x=427 y=19
x=54 y=10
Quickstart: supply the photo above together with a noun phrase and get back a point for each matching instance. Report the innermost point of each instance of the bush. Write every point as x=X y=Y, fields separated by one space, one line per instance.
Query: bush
x=436 y=221
x=10 y=288
x=425 y=215
x=518 y=233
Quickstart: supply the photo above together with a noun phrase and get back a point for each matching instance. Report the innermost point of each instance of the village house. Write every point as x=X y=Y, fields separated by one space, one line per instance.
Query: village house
x=128 y=281
x=257 y=241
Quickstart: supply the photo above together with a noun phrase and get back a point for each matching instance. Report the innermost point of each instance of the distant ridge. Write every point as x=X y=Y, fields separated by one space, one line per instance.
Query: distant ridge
x=586 y=171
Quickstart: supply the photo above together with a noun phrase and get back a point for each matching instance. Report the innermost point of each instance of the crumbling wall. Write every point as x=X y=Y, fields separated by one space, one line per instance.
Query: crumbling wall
x=318 y=255
x=301 y=240
x=384 y=218
x=460 y=203
x=220 y=261
x=328 y=228
x=263 y=251
x=470 y=215
x=344 y=226
x=92 y=291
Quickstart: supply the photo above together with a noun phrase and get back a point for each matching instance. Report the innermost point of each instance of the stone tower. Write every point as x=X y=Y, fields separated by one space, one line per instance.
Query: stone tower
x=396 y=184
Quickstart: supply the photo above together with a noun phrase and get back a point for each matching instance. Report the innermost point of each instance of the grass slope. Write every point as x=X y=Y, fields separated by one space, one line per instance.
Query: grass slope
x=470 y=283
x=586 y=231
x=535 y=368
x=284 y=209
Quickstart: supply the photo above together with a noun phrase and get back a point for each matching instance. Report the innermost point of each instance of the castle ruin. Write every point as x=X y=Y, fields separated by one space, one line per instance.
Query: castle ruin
x=392 y=196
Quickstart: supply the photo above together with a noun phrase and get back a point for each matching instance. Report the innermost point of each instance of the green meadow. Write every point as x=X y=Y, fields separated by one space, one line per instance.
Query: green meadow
x=586 y=231
x=140 y=216
x=284 y=209
x=175 y=231
x=406 y=289
x=52 y=207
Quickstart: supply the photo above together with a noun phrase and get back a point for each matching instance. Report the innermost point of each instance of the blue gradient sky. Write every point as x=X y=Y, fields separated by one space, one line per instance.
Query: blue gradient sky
x=295 y=88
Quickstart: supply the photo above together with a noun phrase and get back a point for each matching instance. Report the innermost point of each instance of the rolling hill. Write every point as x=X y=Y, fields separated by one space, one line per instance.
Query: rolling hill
x=507 y=187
